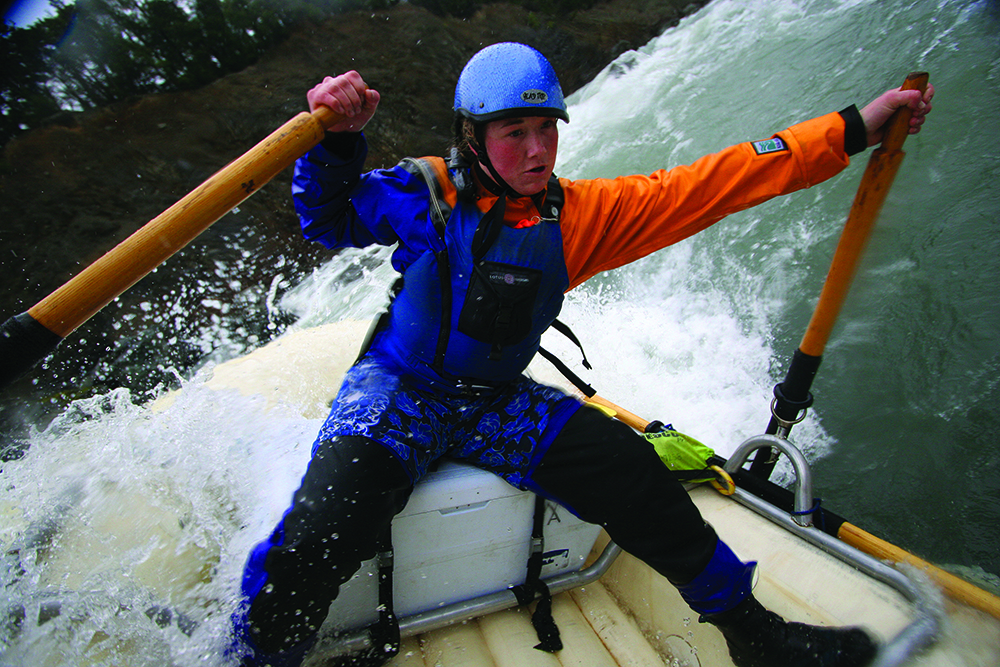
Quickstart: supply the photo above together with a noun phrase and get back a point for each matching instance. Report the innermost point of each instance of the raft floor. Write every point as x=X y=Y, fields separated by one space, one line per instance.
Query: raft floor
x=594 y=629
x=633 y=617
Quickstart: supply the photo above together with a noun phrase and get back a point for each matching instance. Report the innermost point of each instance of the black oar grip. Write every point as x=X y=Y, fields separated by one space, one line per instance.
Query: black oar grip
x=23 y=342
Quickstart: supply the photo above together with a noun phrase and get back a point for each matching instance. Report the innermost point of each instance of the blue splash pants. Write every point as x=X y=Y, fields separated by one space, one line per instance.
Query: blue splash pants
x=505 y=430
x=381 y=437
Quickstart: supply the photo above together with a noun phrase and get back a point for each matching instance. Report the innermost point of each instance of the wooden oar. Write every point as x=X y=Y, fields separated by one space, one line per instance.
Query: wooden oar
x=620 y=413
x=29 y=337
x=954 y=587
x=792 y=396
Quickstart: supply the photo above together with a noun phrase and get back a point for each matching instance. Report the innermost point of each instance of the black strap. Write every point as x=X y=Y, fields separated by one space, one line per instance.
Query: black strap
x=686 y=475
x=439 y=212
x=444 y=333
x=488 y=229
x=577 y=381
x=541 y=619
x=384 y=633
x=554 y=199
x=564 y=329
x=439 y=209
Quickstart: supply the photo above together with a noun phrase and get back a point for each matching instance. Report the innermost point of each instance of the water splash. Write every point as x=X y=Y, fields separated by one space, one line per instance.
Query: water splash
x=118 y=507
x=123 y=517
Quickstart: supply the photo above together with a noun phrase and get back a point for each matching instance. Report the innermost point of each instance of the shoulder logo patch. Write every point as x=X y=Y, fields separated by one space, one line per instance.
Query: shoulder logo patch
x=772 y=145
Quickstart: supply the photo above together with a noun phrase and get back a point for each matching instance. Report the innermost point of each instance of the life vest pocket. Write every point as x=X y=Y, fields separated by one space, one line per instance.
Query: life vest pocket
x=499 y=303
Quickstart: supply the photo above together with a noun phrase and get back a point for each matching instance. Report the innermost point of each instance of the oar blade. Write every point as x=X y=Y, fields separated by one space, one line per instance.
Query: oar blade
x=23 y=343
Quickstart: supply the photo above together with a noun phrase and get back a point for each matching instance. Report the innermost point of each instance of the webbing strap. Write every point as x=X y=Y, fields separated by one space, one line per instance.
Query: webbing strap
x=564 y=329
x=577 y=381
x=444 y=332
x=545 y=626
x=383 y=633
x=488 y=229
x=439 y=212
x=687 y=475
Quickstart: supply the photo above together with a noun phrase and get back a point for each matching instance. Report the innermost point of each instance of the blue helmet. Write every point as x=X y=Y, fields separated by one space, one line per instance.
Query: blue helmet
x=508 y=79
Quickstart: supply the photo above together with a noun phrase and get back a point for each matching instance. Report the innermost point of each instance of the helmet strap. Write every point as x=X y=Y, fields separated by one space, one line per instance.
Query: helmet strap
x=498 y=186
x=489 y=227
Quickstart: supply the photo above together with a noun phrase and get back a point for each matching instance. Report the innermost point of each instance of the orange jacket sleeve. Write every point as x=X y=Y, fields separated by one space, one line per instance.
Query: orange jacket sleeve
x=607 y=223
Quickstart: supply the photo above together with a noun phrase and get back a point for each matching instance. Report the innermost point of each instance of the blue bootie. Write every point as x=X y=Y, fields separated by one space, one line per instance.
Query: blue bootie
x=723 y=584
x=757 y=637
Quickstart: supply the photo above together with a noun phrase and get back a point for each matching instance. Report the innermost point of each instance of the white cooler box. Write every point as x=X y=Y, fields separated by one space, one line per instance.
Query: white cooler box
x=464 y=533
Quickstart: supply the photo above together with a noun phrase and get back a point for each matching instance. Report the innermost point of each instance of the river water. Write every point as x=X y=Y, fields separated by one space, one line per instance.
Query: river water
x=116 y=509
x=906 y=410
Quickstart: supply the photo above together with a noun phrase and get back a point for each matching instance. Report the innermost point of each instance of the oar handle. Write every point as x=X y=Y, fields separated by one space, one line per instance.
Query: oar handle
x=898 y=126
x=326 y=117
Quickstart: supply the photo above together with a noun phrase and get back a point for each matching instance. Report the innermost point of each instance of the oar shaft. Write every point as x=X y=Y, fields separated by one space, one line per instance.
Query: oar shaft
x=879 y=175
x=28 y=338
x=954 y=587
x=793 y=395
x=79 y=299
x=871 y=195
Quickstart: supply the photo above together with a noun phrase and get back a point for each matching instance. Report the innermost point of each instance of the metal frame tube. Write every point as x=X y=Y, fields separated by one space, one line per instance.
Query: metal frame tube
x=925 y=627
x=415 y=624
x=803 y=474
x=920 y=633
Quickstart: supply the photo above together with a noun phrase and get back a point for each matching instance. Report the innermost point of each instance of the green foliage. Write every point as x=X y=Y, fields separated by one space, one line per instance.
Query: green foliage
x=94 y=52
x=24 y=97
x=466 y=8
x=457 y=8
x=118 y=48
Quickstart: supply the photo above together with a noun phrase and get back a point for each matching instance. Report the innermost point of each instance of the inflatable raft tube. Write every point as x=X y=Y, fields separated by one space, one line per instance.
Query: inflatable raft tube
x=631 y=616
x=614 y=611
